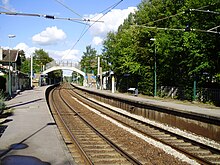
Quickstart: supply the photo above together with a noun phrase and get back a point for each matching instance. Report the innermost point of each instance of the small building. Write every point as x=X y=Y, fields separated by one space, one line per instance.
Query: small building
x=10 y=63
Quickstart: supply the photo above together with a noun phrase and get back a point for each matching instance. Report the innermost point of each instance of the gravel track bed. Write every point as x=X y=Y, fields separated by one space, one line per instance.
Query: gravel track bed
x=143 y=151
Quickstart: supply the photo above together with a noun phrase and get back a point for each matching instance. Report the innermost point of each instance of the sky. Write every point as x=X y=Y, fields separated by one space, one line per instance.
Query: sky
x=61 y=39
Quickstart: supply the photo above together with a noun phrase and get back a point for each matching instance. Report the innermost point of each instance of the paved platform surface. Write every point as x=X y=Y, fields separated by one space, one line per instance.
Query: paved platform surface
x=31 y=136
x=195 y=108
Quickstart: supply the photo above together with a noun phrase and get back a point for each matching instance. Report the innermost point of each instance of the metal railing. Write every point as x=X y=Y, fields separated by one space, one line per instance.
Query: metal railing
x=202 y=94
x=63 y=64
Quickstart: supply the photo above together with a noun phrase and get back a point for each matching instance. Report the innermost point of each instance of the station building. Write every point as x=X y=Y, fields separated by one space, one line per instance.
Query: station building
x=10 y=62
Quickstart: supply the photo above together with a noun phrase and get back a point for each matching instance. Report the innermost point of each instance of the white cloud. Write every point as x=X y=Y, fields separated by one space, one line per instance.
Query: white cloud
x=97 y=40
x=73 y=55
x=28 y=50
x=5 y=2
x=68 y=54
x=50 y=36
x=112 y=21
x=7 y=6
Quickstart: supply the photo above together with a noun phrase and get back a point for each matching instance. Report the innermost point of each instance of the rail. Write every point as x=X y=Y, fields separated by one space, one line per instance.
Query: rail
x=112 y=144
x=210 y=155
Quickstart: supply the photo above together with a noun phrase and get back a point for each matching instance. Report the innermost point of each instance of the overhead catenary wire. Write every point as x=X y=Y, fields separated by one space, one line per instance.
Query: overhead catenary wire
x=5 y=8
x=106 y=11
x=98 y=20
x=214 y=28
x=205 y=11
x=47 y=16
x=183 y=12
x=68 y=8
x=172 y=29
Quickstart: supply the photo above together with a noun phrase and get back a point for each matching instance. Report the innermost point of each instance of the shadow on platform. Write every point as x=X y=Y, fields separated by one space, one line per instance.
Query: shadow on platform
x=18 y=146
x=20 y=104
x=20 y=159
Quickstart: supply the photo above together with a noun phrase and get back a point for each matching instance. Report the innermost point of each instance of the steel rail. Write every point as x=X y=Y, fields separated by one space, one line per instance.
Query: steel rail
x=94 y=104
x=111 y=143
x=80 y=149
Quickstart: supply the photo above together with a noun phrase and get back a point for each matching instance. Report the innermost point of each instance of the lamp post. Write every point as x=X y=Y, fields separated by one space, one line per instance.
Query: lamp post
x=9 y=63
x=155 y=68
x=32 y=71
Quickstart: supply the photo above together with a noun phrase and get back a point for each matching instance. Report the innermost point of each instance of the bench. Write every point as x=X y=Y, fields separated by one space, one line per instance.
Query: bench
x=134 y=91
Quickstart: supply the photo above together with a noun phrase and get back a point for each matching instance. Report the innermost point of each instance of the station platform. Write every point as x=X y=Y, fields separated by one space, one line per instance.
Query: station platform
x=29 y=135
x=196 y=108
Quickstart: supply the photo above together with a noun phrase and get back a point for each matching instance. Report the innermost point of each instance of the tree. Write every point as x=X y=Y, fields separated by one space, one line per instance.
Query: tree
x=22 y=57
x=181 y=56
x=89 y=60
x=40 y=58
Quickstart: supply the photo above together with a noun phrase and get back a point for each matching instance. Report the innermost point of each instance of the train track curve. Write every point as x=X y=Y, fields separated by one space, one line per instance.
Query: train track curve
x=89 y=146
x=197 y=151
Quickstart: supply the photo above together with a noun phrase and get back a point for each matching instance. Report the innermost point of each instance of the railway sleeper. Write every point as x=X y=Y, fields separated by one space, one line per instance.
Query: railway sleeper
x=167 y=138
x=182 y=144
x=213 y=157
x=110 y=161
x=215 y=162
x=112 y=155
x=96 y=150
x=93 y=144
x=156 y=134
x=76 y=155
x=87 y=138
x=201 y=152
x=91 y=147
x=101 y=152
x=80 y=135
x=192 y=148
x=173 y=141
x=87 y=142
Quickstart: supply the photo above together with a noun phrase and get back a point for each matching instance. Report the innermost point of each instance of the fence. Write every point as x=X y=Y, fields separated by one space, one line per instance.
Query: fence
x=202 y=94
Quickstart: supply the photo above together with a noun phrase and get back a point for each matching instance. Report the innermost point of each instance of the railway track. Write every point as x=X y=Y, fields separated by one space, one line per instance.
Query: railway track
x=86 y=143
x=200 y=152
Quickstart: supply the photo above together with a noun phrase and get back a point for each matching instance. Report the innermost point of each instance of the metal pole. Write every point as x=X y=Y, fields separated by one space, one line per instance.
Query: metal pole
x=9 y=74
x=98 y=74
x=194 y=90
x=31 y=71
x=113 y=84
x=155 y=71
x=155 y=67
x=9 y=63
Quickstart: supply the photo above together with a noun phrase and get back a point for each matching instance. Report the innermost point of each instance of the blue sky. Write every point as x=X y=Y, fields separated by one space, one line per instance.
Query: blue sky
x=57 y=37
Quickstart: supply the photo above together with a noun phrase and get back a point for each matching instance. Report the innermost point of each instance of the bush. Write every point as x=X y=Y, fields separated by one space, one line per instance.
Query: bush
x=2 y=102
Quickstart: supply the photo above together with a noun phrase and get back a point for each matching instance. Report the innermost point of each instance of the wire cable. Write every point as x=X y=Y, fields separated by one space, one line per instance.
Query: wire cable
x=98 y=20
x=205 y=11
x=183 y=12
x=5 y=8
x=170 y=29
x=78 y=20
x=68 y=8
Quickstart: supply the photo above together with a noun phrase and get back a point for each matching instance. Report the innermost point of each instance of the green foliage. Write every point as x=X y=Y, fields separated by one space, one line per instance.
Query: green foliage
x=89 y=60
x=40 y=58
x=26 y=66
x=2 y=101
x=181 y=56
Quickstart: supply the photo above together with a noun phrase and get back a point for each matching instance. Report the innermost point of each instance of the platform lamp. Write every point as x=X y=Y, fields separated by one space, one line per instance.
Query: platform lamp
x=9 y=64
x=155 y=68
